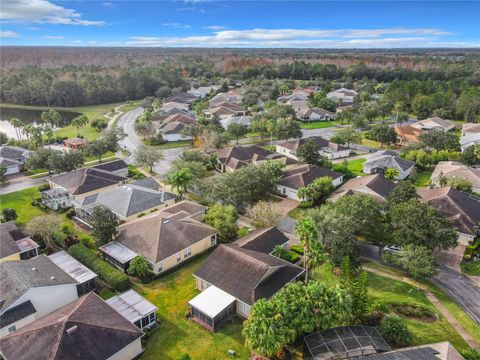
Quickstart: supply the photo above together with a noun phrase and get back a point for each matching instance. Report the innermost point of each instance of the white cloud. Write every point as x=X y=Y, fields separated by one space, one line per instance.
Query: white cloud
x=177 y=25
x=215 y=27
x=306 y=38
x=54 y=37
x=9 y=34
x=108 y=5
x=188 y=8
x=41 y=11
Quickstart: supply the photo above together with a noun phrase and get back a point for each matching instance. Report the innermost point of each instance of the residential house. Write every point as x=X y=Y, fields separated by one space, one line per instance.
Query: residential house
x=165 y=239
x=116 y=167
x=235 y=157
x=244 y=120
x=329 y=149
x=434 y=123
x=173 y=105
x=407 y=134
x=135 y=308
x=468 y=140
x=171 y=127
x=470 y=128
x=31 y=289
x=87 y=328
x=375 y=186
x=303 y=175
x=459 y=207
x=454 y=169
x=315 y=114
x=184 y=98
x=126 y=202
x=12 y=158
x=14 y=244
x=342 y=96
x=74 y=143
x=382 y=160
x=79 y=183
x=298 y=95
x=224 y=110
x=236 y=275
x=229 y=97
x=202 y=91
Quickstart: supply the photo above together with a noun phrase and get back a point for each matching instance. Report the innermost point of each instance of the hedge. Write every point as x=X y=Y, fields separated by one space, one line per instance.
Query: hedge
x=114 y=278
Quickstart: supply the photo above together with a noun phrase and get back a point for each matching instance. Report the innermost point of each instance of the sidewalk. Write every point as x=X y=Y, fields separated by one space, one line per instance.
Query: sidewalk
x=434 y=300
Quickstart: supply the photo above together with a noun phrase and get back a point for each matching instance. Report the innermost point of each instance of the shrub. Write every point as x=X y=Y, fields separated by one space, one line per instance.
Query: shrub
x=414 y=310
x=134 y=173
x=9 y=214
x=43 y=187
x=70 y=213
x=114 y=278
x=395 y=331
x=305 y=204
x=471 y=354
x=243 y=231
x=70 y=241
x=297 y=248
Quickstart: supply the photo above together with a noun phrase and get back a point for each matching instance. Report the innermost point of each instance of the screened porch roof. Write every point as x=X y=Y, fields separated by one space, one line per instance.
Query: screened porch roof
x=212 y=301
x=131 y=305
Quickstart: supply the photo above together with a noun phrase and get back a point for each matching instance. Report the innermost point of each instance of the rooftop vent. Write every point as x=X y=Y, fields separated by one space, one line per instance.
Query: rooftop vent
x=34 y=269
x=72 y=329
x=52 y=277
x=166 y=221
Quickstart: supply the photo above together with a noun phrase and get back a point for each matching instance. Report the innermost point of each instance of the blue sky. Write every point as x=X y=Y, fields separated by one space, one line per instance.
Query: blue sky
x=203 y=23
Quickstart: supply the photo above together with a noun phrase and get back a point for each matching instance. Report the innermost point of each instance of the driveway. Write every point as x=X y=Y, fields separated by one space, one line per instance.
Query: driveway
x=20 y=182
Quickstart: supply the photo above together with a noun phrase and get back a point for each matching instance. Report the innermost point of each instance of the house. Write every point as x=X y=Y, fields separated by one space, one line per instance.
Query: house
x=202 y=91
x=229 y=97
x=135 y=308
x=116 y=167
x=235 y=157
x=165 y=239
x=87 y=328
x=459 y=207
x=329 y=149
x=74 y=143
x=294 y=96
x=468 y=140
x=407 y=134
x=126 y=202
x=173 y=105
x=184 y=98
x=434 y=123
x=375 y=186
x=12 y=158
x=31 y=289
x=171 y=127
x=236 y=275
x=242 y=120
x=14 y=244
x=454 y=169
x=225 y=110
x=56 y=198
x=470 y=128
x=342 y=96
x=302 y=175
x=382 y=160
x=85 y=181
x=314 y=114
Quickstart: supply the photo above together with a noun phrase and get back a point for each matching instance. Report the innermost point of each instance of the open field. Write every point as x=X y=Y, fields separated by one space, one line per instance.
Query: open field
x=176 y=335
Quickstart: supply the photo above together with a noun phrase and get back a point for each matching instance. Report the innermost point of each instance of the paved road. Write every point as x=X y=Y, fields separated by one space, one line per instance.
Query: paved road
x=463 y=290
x=21 y=185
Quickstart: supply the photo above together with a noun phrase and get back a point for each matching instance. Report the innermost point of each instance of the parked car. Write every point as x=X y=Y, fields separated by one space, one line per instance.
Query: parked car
x=393 y=249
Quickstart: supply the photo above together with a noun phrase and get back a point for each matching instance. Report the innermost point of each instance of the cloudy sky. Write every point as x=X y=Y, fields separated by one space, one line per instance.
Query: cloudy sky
x=207 y=23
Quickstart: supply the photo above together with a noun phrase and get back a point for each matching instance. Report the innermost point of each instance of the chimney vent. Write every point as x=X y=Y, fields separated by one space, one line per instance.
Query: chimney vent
x=72 y=329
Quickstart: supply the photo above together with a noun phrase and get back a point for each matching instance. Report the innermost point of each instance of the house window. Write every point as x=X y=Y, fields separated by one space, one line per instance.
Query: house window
x=284 y=190
x=160 y=267
x=243 y=308
x=12 y=328
x=187 y=253
x=213 y=240
x=179 y=258
x=151 y=318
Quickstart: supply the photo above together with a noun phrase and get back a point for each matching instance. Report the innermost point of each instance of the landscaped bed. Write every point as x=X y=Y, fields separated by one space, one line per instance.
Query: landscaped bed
x=176 y=335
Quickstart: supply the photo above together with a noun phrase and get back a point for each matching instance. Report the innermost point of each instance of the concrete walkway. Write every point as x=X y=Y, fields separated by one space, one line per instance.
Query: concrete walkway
x=434 y=300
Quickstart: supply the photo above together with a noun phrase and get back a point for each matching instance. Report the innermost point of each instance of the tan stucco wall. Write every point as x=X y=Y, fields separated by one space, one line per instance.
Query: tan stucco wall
x=129 y=352
x=11 y=258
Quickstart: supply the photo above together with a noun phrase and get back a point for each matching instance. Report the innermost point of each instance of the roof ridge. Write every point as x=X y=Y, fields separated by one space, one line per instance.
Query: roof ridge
x=248 y=256
x=17 y=274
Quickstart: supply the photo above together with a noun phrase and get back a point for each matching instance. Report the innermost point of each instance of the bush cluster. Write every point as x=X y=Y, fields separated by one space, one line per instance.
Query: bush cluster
x=113 y=277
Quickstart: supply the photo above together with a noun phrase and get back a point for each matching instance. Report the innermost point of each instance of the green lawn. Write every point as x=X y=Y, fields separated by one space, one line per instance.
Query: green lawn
x=296 y=213
x=471 y=267
x=385 y=290
x=172 y=144
x=356 y=166
x=21 y=202
x=317 y=125
x=176 y=335
x=423 y=178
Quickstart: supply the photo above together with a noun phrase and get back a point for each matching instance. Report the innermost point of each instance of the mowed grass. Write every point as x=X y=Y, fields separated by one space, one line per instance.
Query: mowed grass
x=176 y=335
x=21 y=201
x=386 y=291
x=356 y=166
x=317 y=125
x=423 y=178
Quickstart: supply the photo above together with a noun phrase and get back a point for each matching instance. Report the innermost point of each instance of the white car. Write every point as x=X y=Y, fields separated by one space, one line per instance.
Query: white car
x=394 y=249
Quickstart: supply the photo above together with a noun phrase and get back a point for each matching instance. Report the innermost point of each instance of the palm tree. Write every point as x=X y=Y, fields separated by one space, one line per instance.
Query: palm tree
x=80 y=122
x=17 y=124
x=307 y=234
x=181 y=180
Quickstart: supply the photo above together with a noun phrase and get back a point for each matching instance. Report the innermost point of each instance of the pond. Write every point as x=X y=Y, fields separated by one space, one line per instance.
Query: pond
x=29 y=116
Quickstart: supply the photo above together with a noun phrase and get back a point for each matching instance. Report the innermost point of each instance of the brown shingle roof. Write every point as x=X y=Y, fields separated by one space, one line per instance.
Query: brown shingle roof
x=461 y=208
x=408 y=133
x=303 y=175
x=159 y=236
x=87 y=329
x=375 y=185
x=238 y=156
x=454 y=169
x=246 y=274
x=324 y=143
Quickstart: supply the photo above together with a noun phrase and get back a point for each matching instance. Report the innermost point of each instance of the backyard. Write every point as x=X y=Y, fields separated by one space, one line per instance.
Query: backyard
x=423 y=178
x=176 y=335
x=21 y=201
x=356 y=166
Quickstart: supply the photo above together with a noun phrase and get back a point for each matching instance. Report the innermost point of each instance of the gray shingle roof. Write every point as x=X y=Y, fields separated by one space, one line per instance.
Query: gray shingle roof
x=389 y=159
x=303 y=175
x=87 y=329
x=376 y=183
x=12 y=152
x=324 y=143
x=148 y=182
x=112 y=165
x=13 y=240
x=263 y=240
x=19 y=276
x=84 y=180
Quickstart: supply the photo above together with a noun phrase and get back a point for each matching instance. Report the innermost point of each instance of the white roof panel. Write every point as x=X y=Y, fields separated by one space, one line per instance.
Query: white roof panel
x=212 y=301
x=118 y=251
x=72 y=267
x=131 y=305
